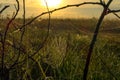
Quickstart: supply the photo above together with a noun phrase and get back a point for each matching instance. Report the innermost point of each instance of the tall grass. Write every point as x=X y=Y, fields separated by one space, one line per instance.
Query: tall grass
x=64 y=54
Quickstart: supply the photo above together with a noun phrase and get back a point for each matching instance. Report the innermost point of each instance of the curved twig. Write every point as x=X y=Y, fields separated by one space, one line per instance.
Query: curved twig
x=5 y=7
x=5 y=35
x=21 y=38
x=41 y=45
x=48 y=30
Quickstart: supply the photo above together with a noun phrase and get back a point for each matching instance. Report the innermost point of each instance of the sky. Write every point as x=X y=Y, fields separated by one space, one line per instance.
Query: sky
x=35 y=7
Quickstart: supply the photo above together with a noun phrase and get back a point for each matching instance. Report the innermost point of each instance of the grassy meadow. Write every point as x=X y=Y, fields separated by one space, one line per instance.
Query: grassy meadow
x=63 y=54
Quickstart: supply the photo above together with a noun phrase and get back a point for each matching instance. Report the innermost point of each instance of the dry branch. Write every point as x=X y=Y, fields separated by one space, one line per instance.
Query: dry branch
x=114 y=12
x=92 y=44
x=5 y=7
x=41 y=45
x=54 y=10
x=48 y=30
x=104 y=13
x=4 y=40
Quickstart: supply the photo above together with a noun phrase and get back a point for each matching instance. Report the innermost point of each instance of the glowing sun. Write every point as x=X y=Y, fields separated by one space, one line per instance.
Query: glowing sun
x=51 y=3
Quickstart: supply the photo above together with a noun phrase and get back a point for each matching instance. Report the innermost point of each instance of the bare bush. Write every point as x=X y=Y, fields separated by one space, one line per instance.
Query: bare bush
x=22 y=54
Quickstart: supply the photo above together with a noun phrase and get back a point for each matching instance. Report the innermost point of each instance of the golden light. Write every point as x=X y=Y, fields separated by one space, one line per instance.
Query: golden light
x=51 y=3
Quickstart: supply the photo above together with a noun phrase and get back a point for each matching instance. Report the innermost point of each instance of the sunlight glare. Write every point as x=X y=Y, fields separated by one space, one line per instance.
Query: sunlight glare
x=51 y=3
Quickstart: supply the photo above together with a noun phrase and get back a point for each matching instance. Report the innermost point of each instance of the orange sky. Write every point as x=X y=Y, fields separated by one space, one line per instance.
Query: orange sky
x=34 y=7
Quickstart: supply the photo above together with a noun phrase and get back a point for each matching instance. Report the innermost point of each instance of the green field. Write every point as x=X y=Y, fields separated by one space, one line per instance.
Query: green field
x=62 y=56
